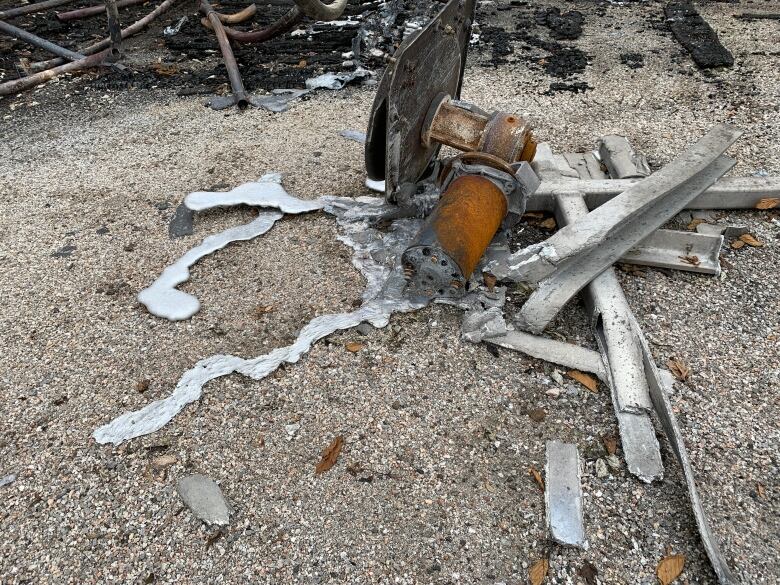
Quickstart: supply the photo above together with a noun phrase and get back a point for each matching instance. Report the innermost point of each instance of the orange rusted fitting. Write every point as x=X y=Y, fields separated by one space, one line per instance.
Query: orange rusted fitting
x=466 y=128
x=454 y=237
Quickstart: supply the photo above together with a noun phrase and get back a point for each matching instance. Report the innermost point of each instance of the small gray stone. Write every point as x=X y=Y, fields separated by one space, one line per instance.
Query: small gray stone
x=364 y=328
x=292 y=428
x=7 y=479
x=601 y=468
x=557 y=377
x=613 y=461
x=204 y=499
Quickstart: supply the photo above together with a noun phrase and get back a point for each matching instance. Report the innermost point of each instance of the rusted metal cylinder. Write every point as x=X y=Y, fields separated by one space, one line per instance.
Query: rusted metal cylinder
x=466 y=128
x=454 y=237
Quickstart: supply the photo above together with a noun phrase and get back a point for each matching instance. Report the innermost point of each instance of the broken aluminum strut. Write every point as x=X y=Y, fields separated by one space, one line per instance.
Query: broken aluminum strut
x=566 y=262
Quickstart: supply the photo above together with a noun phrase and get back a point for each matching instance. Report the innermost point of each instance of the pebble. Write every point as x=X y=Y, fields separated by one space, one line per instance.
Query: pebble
x=204 y=499
x=601 y=468
x=613 y=461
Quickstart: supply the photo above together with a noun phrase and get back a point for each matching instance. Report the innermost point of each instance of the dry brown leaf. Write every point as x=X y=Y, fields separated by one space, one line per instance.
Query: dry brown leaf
x=679 y=369
x=532 y=215
x=585 y=379
x=537 y=476
x=301 y=64
x=165 y=69
x=163 y=461
x=548 y=224
x=589 y=572
x=142 y=386
x=261 y=310
x=670 y=568
x=695 y=222
x=751 y=240
x=537 y=414
x=354 y=346
x=737 y=244
x=490 y=280
x=538 y=571
x=768 y=203
x=692 y=260
x=330 y=455
x=610 y=443
x=760 y=490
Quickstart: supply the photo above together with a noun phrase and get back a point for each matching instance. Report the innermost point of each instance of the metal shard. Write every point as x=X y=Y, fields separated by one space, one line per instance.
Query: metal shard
x=620 y=158
x=563 y=495
x=556 y=352
x=688 y=251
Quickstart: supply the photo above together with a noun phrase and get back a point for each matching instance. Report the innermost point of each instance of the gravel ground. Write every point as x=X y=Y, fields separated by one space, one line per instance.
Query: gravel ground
x=433 y=483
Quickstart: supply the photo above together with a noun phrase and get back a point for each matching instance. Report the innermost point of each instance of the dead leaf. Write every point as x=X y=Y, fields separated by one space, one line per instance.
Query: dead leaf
x=354 y=346
x=142 y=386
x=490 y=280
x=768 y=203
x=751 y=241
x=585 y=379
x=692 y=260
x=532 y=215
x=165 y=69
x=538 y=571
x=537 y=476
x=589 y=572
x=163 y=461
x=537 y=414
x=610 y=443
x=737 y=244
x=261 y=310
x=679 y=369
x=670 y=568
x=330 y=455
x=695 y=222
x=632 y=269
x=213 y=538
x=548 y=224
x=301 y=64
x=760 y=490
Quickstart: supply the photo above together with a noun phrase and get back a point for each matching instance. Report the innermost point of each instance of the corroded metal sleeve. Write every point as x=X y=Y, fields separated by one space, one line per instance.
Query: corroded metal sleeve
x=454 y=237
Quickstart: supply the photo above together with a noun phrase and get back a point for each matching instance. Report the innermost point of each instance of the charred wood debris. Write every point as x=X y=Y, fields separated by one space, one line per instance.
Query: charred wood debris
x=274 y=44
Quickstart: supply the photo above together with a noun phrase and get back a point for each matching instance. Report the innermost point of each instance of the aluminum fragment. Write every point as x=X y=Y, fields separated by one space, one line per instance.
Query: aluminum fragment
x=163 y=299
x=563 y=495
x=266 y=192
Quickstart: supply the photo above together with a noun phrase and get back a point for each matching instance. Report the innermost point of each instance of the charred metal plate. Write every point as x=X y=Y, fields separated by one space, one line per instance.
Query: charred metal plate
x=427 y=64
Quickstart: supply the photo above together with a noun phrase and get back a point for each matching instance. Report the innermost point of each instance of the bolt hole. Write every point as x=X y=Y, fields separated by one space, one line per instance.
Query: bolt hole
x=441 y=291
x=511 y=119
x=444 y=263
x=426 y=251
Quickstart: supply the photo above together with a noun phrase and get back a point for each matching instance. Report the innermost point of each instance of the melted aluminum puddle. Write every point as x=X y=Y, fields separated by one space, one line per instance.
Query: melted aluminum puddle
x=162 y=298
x=377 y=255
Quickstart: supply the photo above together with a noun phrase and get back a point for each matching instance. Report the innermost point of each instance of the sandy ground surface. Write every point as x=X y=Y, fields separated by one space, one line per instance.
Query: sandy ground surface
x=433 y=484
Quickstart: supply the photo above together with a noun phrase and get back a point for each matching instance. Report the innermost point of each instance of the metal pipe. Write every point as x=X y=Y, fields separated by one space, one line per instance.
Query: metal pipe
x=17 y=85
x=242 y=99
x=287 y=22
x=37 y=41
x=114 y=30
x=30 y=8
x=134 y=28
x=93 y=10
x=316 y=10
x=454 y=237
